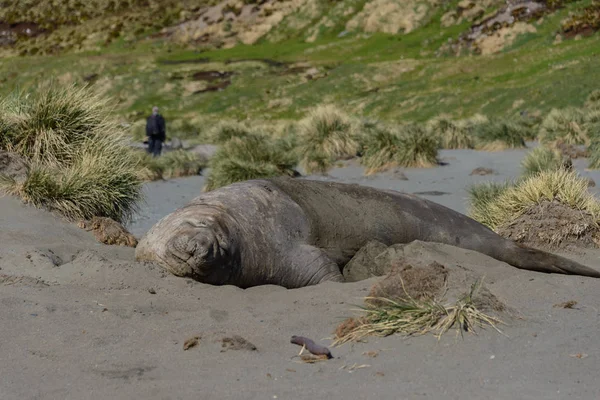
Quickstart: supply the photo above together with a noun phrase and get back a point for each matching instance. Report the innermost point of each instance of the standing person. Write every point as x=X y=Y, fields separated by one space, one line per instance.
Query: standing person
x=156 y=132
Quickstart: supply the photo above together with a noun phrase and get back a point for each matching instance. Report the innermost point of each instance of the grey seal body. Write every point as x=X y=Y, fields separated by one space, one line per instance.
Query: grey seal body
x=298 y=232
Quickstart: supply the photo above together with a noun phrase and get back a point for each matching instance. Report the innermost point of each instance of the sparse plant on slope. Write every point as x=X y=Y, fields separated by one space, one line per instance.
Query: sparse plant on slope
x=326 y=135
x=567 y=125
x=250 y=157
x=499 y=134
x=79 y=162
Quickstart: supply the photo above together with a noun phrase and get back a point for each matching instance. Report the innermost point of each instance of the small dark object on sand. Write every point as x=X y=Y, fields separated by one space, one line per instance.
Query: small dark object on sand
x=191 y=342
x=311 y=346
x=236 y=342
x=482 y=171
x=566 y=304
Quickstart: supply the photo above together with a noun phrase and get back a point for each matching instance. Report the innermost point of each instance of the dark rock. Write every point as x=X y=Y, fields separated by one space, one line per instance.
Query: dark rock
x=482 y=171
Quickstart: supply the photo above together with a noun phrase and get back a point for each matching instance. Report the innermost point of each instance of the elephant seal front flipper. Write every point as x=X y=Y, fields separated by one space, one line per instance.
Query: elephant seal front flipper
x=308 y=265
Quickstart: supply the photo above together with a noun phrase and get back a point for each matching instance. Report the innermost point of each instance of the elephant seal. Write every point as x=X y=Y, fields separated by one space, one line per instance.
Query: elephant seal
x=298 y=232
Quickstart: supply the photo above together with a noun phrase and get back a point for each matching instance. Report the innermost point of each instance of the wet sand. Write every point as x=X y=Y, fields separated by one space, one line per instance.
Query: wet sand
x=81 y=320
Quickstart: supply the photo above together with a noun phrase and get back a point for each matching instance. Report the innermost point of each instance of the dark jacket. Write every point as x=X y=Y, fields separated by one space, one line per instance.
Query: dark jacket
x=155 y=127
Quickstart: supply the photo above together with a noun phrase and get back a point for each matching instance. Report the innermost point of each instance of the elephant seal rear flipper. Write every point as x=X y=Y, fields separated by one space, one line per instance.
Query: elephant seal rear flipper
x=532 y=259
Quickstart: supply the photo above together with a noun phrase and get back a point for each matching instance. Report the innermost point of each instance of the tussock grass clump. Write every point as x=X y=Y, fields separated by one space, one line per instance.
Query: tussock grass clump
x=410 y=146
x=251 y=157
x=567 y=125
x=481 y=195
x=542 y=159
x=79 y=162
x=498 y=134
x=379 y=148
x=51 y=124
x=412 y=317
x=326 y=135
x=451 y=134
x=171 y=164
x=226 y=130
x=94 y=184
x=594 y=153
x=561 y=185
x=416 y=147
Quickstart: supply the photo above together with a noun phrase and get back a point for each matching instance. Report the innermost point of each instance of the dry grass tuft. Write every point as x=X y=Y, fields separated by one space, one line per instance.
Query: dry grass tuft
x=326 y=135
x=567 y=125
x=481 y=196
x=225 y=130
x=409 y=316
x=79 y=161
x=593 y=100
x=542 y=159
x=561 y=185
x=410 y=146
x=379 y=148
x=498 y=135
x=417 y=147
x=451 y=134
x=251 y=157
x=170 y=164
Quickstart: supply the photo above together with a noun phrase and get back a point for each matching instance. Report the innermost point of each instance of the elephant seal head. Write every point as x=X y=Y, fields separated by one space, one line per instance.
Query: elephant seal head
x=194 y=242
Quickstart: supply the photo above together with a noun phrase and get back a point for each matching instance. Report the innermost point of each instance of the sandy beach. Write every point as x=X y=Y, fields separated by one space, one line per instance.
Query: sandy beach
x=79 y=319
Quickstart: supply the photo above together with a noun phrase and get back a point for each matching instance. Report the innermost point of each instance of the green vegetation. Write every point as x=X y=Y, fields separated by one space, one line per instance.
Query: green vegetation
x=226 y=130
x=416 y=147
x=79 y=164
x=379 y=148
x=542 y=159
x=250 y=157
x=500 y=134
x=585 y=21
x=408 y=69
x=593 y=100
x=326 y=135
x=564 y=125
x=171 y=164
x=561 y=185
x=481 y=196
x=451 y=134
x=394 y=77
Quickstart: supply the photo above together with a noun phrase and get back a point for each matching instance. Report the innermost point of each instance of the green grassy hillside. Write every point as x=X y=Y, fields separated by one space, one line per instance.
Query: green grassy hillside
x=382 y=59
